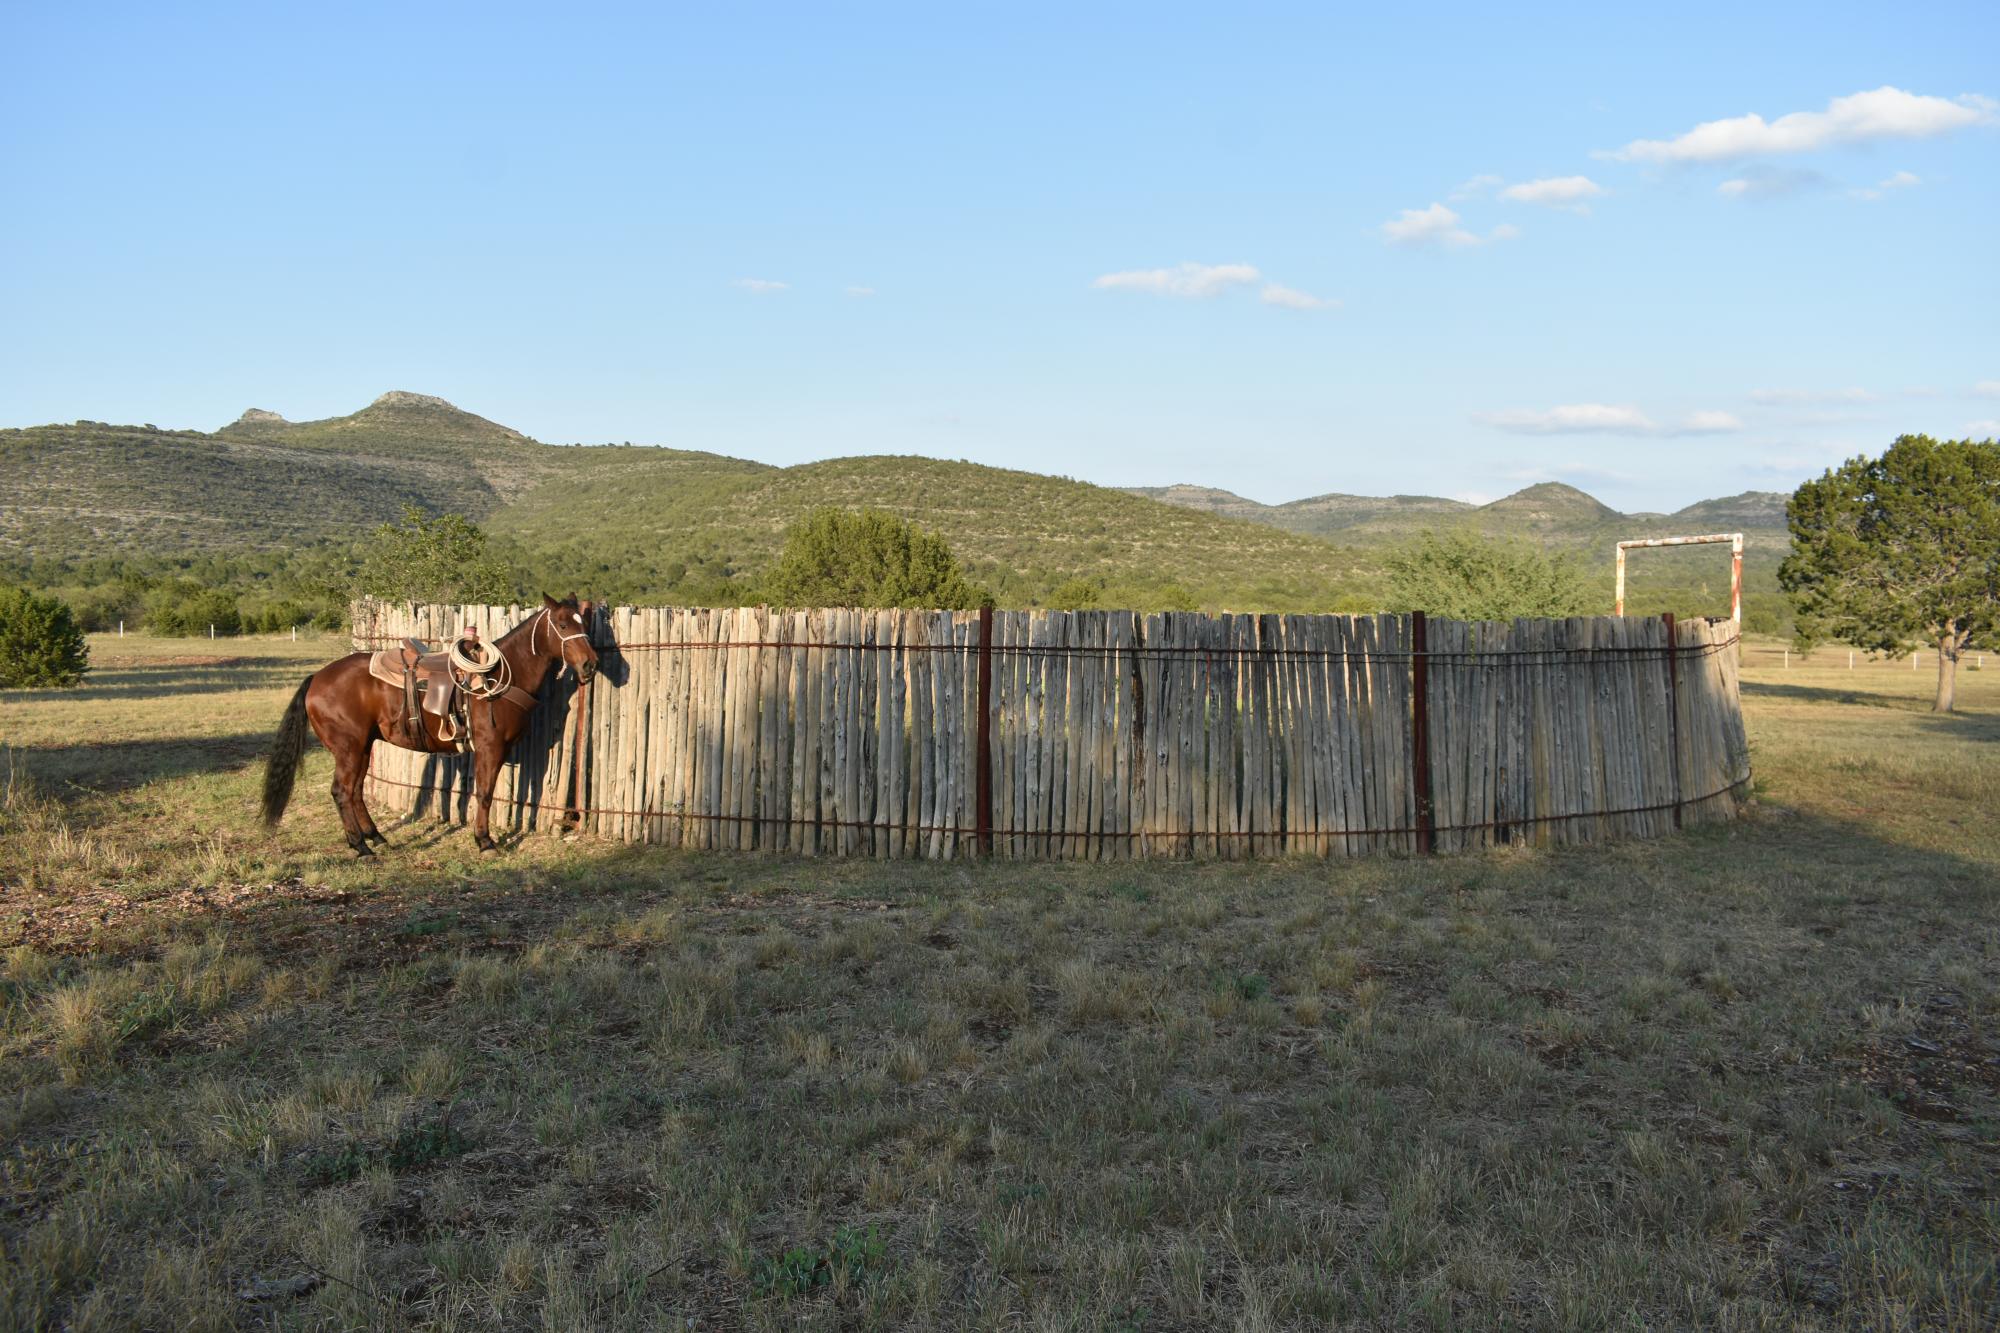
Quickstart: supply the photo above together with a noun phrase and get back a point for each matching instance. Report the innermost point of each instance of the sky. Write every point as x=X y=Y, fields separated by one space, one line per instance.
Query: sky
x=1660 y=253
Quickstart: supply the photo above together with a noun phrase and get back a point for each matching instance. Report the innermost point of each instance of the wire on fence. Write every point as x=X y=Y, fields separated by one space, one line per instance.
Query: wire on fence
x=1523 y=656
x=968 y=831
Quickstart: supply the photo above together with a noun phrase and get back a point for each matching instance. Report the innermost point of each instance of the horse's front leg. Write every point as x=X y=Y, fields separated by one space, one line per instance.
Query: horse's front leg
x=486 y=757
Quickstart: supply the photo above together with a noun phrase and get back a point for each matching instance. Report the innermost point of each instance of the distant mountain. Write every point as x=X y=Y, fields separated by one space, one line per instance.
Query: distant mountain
x=1318 y=516
x=1551 y=504
x=652 y=523
x=1550 y=511
x=1555 y=515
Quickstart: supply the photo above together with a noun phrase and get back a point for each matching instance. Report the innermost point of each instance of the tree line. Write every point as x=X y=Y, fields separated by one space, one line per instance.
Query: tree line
x=1887 y=554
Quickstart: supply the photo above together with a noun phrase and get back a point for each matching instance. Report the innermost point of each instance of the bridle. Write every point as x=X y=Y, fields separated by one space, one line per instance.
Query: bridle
x=534 y=635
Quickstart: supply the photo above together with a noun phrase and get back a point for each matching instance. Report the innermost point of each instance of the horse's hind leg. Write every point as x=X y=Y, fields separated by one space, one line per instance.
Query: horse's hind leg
x=349 y=764
x=361 y=805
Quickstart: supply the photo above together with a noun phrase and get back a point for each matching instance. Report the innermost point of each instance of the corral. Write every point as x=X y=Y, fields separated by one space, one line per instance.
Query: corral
x=1099 y=735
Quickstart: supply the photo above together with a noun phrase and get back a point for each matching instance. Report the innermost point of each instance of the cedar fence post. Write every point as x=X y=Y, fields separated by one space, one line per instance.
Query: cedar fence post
x=1673 y=709
x=1420 y=728
x=983 y=779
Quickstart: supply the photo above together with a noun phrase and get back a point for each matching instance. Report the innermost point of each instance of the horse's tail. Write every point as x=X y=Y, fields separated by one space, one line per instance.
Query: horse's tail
x=286 y=749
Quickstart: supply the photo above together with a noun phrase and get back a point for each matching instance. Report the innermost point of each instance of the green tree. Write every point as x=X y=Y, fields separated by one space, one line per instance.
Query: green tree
x=1075 y=594
x=834 y=557
x=186 y=607
x=1465 y=576
x=40 y=643
x=1899 y=550
x=440 y=559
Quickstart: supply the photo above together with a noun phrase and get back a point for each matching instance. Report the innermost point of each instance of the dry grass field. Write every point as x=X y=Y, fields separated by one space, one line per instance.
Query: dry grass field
x=1744 y=1078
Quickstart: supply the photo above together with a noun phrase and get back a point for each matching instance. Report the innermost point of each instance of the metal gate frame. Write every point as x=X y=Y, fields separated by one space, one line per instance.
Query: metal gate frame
x=1735 y=540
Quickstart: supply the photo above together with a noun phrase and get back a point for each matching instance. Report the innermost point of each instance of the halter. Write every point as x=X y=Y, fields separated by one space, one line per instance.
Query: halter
x=534 y=635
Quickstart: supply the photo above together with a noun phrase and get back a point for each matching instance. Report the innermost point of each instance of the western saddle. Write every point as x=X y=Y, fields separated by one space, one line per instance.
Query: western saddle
x=442 y=683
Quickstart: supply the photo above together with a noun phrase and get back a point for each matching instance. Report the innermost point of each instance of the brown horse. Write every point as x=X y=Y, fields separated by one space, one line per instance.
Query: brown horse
x=350 y=710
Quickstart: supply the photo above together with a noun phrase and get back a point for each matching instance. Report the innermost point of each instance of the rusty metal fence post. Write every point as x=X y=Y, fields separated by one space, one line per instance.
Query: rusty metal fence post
x=1420 y=729
x=983 y=779
x=1673 y=709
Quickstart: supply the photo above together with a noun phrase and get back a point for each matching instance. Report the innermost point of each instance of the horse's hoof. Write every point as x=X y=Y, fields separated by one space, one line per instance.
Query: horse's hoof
x=486 y=844
x=361 y=852
x=379 y=838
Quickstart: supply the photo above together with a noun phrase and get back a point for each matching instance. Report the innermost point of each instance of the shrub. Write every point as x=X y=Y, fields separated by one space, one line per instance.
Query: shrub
x=189 y=608
x=433 y=560
x=1074 y=595
x=1465 y=576
x=869 y=559
x=40 y=643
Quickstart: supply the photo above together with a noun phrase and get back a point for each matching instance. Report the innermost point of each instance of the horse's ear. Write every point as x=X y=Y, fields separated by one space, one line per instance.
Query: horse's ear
x=549 y=602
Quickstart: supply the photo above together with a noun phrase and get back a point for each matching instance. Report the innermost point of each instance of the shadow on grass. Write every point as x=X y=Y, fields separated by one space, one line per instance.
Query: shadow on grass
x=1862 y=880
x=92 y=768
x=1823 y=694
x=149 y=683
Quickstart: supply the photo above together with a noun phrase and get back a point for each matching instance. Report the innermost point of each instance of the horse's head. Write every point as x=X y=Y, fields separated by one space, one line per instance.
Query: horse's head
x=569 y=619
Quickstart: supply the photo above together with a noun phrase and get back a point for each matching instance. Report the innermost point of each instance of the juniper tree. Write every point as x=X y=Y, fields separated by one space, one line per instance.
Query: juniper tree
x=1891 y=552
x=40 y=643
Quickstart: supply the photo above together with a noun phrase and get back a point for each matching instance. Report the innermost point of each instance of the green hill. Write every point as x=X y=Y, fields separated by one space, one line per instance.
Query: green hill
x=1019 y=532
x=654 y=524
x=259 y=483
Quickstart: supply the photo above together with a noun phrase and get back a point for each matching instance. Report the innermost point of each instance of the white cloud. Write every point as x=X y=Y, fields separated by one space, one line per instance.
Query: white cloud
x=1572 y=418
x=1568 y=192
x=1438 y=225
x=1293 y=299
x=1985 y=429
x=761 y=285
x=1762 y=182
x=1183 y=280
x=1901 y=180
x=1604 y=419
x=860 y=291
x=1773 y=397
x=1475 y=186
x=1884 y=113
x=1987 y=388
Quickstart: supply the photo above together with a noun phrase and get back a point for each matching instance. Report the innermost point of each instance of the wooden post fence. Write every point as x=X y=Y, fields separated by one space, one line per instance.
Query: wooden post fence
x=1101 y=735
